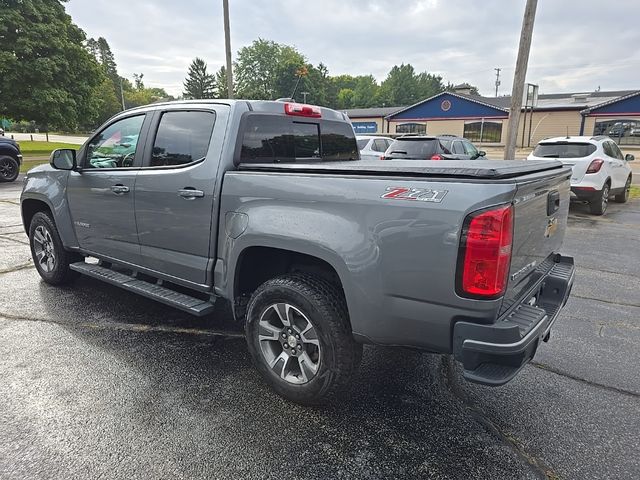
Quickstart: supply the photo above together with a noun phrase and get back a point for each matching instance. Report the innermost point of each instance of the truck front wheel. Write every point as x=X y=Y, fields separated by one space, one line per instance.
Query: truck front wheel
x=299 y=338
x=49 y=256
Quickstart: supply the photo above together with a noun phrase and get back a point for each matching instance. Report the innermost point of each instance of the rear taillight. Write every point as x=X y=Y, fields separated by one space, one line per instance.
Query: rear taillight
x=436 y=157
x=485 y=253
x=302 y=110
x=595 y=165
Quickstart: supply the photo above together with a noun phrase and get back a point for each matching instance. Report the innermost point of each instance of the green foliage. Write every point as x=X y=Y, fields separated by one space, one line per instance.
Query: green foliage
x=220 y=84
x=136 y=97
x=199 y=83
x=46 y=74
x=40 y=148
x=266 y=70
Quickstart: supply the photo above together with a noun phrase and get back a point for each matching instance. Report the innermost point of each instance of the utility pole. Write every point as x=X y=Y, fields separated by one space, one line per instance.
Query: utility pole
x=227 y=46
x=122 y=95
x=519 y=77
x=497 y=79
x=304 y=96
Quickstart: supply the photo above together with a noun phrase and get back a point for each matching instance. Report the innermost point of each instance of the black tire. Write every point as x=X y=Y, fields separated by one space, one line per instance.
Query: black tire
x=624 y=196
x=53 y=266
x=322 y=304
x=9 y=168
x=600 y=202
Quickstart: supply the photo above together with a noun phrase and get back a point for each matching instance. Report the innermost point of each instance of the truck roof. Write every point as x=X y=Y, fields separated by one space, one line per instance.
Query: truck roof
x=266 y=106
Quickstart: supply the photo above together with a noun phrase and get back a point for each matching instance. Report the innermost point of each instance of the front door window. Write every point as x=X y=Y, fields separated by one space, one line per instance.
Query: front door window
x=116 y=145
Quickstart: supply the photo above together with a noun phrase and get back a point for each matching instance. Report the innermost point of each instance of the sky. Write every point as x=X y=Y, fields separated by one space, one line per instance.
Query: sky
x=578 y=45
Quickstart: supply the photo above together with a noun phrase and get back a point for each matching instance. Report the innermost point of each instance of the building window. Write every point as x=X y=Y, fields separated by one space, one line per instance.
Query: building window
x=419 y=128
x=623 y=131
x=483 y=131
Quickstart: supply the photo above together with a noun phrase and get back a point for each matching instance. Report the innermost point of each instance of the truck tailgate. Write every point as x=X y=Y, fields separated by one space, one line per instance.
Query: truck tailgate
x=541 y=206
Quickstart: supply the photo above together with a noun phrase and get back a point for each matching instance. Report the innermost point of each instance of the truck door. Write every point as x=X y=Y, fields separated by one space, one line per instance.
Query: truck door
x=174 y=193
x=100 y=193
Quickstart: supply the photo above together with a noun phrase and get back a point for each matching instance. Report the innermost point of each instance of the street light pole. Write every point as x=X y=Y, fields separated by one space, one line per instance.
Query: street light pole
x=519 y=77
x=227 y=46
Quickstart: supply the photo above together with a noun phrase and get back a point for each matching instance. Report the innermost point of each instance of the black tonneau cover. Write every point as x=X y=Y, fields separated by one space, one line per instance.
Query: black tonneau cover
x=488 y=169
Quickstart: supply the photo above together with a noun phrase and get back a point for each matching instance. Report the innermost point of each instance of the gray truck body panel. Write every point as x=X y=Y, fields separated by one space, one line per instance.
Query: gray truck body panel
x=396 y=259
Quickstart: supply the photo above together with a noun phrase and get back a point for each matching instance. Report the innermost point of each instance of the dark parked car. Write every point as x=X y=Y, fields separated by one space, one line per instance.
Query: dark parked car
x=421 y=147
x=10 y=159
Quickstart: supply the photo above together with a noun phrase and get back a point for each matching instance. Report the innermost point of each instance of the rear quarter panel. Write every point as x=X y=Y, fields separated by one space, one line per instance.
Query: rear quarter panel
x=396 y=258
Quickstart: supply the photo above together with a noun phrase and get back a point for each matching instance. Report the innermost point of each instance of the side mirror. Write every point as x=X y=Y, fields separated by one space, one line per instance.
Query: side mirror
x=629 y=158
x=63 y=159
x=482 y=153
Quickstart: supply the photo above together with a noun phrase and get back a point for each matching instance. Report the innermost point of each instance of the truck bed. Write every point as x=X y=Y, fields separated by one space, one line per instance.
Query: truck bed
x=476 y=169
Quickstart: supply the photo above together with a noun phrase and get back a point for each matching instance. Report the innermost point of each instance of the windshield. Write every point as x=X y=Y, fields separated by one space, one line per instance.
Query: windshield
x=422 y=148
x=564 y=150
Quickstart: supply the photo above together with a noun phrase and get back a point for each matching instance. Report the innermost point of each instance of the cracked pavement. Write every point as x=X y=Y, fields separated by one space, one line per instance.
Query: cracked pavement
x=97 y=382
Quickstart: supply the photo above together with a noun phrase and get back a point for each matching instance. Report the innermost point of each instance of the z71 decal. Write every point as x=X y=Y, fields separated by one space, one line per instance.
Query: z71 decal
x=420 y=194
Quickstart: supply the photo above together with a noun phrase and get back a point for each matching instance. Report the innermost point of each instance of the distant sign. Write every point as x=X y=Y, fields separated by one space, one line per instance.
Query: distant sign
x=365 y=127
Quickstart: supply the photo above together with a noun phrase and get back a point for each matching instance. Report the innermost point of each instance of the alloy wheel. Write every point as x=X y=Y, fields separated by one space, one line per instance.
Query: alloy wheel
x=44 y=249
x=289 y=343
x=7 y=168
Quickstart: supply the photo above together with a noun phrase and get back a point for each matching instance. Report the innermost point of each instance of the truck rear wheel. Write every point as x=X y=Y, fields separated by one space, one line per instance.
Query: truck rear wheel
x=49 y=256
x=299 y=338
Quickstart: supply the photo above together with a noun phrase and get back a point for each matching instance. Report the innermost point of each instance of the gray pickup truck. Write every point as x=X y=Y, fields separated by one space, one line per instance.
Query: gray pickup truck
x=267 y=205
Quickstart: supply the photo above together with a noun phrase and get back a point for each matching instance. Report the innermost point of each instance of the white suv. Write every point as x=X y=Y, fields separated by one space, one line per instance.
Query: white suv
x=372 y=148
x=599 y=168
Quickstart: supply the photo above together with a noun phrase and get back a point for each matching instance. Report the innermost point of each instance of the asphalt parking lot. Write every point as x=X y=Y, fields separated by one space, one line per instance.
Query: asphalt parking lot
x=99 y=383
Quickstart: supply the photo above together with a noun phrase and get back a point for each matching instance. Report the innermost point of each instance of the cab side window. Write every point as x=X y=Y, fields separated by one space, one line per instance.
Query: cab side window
x=608 y=149
x=379 y=145
x=458 y=148
x=470 y=149
x=183 y=137
x=116 y=145
x=617 y=153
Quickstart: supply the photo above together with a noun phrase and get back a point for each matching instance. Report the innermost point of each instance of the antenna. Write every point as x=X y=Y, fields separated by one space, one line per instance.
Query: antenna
x=497 y=79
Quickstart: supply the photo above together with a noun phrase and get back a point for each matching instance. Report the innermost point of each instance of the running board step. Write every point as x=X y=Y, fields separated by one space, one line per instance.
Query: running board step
x=187 y=303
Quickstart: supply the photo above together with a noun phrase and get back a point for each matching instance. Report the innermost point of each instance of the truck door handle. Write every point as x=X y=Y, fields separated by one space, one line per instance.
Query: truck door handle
x=119 y=189
x=190 y=193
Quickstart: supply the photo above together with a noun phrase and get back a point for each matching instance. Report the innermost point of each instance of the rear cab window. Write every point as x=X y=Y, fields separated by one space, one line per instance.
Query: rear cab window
x=414 y=148
x=564 y=150
x=268 y=138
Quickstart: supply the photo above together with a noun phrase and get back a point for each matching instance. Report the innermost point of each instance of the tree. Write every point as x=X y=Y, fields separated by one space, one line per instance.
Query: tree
x=365 y=92
x=199 y=83
x=266 y=70
x=108 y=92
x=137 y=81
x=107 y=59
x=220 y=83
x=404 y=87
x=46 y=74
